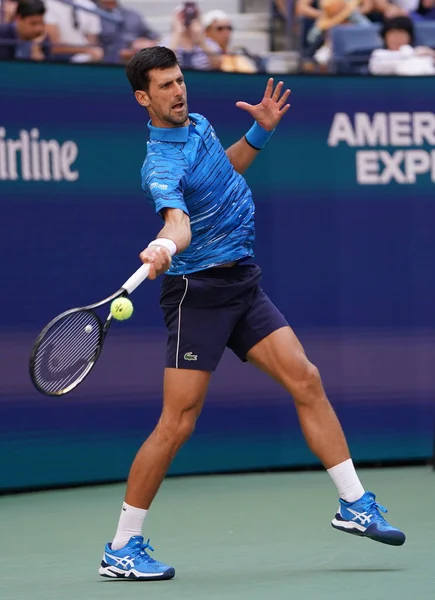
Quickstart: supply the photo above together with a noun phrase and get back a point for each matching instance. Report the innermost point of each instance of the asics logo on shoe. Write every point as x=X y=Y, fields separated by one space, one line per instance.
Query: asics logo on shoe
x=124 y=562
x=363 y=517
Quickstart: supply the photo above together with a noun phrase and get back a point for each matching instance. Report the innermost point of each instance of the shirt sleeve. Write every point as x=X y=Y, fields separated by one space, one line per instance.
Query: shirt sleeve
x=145 y=31
x=51 y=17
x=91 y=23
x=383 y=62
x=163 y=181
x=386 y=62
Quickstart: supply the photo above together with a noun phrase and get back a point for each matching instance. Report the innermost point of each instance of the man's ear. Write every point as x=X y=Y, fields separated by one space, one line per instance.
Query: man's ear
x=142 y=97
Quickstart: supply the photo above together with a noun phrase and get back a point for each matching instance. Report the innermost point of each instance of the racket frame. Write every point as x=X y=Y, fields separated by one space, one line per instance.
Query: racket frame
x=129 y=286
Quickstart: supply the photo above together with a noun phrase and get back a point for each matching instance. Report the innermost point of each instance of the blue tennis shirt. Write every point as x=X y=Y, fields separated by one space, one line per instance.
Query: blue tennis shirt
x=187 y=168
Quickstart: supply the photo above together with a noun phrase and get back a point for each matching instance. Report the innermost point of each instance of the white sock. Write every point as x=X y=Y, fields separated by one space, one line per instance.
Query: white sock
x=346 y=481
x=130 y=524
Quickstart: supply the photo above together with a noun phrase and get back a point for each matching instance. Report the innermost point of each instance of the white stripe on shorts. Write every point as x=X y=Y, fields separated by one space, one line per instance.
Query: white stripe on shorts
x=179 y=320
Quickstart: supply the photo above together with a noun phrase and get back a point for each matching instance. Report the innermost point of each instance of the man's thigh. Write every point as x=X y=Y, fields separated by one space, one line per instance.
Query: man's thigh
x=283 y=358
x=259 y=321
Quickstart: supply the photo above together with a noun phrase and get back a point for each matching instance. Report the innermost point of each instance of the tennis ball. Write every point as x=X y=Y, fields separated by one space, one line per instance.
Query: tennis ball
x=121 y=309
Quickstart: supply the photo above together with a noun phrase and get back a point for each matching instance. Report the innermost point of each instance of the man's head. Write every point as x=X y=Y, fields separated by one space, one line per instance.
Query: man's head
x=397 y=32
x=30 y=19
x=158 y=85
x=218 y=27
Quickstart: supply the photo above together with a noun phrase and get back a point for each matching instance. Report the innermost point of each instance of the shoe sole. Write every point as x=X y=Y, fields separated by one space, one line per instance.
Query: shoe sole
x=392 y=540
x=111 y=572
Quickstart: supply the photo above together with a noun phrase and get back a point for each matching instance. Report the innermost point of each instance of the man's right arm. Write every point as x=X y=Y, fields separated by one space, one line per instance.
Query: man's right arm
x=176 y=230
x=163 y=181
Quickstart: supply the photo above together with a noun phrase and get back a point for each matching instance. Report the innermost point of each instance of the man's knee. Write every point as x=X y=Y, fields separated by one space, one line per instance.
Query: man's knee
x=308 y=385
x=176 y=429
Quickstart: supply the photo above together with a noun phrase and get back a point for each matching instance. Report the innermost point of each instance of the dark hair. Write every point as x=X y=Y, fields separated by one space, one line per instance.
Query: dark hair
x=139 y=66
x=30 y=8
x=398 y=23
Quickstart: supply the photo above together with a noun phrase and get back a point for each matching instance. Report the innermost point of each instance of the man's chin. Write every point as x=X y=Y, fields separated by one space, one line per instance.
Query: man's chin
x=181 y=117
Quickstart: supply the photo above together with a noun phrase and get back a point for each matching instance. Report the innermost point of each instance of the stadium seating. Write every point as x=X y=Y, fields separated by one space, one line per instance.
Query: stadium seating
x=352 y=45
x=425 y=33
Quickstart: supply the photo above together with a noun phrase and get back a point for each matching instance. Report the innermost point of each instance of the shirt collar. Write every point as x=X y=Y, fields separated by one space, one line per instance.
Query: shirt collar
x=169 y=134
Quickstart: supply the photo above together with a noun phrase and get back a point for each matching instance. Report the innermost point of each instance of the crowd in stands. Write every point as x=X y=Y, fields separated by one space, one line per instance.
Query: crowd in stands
x=358 y=36
x=381 y=36
x=105 y=30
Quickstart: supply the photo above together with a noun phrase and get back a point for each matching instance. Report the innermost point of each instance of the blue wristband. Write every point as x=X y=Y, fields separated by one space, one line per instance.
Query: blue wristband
x=257 y=137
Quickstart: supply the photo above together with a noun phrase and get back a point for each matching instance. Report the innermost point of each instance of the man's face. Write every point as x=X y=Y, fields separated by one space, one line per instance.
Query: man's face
x=396 y=38
x=220 y=32
x=30 y=28
x=166 y=99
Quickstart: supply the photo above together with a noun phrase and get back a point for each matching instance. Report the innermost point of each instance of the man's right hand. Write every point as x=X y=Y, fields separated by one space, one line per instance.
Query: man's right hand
x=159 y=259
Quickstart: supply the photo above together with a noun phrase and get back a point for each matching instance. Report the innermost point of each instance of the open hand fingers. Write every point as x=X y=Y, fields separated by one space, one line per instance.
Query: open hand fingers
x=277 y=92
x=269 y=89
x=284 y=110
x=283 y=99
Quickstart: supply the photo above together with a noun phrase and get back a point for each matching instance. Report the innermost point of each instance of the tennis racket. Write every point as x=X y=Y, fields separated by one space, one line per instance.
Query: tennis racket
x=69 y=346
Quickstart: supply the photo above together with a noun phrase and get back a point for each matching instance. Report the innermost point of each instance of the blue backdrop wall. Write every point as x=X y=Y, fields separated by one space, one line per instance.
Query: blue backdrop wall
x=345 y=217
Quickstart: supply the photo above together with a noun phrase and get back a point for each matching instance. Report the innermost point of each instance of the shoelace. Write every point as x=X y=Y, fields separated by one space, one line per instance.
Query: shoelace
x=141 y=550
x=372 y=504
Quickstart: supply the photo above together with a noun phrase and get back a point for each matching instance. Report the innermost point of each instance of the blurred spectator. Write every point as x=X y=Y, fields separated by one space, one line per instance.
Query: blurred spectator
x=25 y=38
x=379 y=10
x=333 y=13
x=7 y=10
x=399 y=57
x=73 y=32
x=329 y=14
x=218 y=29
x=189 y=42
x=122 y=40
x=365 y=12
x=424 y=11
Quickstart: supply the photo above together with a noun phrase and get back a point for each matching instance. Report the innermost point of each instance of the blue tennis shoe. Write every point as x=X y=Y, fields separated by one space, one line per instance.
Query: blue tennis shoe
x=364 y=518
x=133 y=562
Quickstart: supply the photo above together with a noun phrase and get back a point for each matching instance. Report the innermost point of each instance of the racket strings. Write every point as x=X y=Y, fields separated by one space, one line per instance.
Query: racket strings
x=67 y=351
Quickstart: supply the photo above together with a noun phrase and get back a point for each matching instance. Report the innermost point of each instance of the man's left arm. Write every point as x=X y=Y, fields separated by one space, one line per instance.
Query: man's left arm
x=267 y=114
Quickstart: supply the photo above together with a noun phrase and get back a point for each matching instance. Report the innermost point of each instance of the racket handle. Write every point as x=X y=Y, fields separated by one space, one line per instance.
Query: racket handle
x=136 y=279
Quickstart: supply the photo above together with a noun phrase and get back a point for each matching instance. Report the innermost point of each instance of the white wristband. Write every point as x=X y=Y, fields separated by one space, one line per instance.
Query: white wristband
x=166 y=243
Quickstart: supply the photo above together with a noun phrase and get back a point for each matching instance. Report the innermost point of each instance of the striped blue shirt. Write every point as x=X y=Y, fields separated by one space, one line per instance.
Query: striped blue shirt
x=187 y=168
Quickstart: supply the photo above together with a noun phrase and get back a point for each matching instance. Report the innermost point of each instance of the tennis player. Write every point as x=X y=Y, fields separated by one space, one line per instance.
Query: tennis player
x=212 y=299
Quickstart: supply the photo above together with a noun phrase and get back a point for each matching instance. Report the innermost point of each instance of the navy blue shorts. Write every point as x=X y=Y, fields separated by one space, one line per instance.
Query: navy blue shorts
x=213 y=309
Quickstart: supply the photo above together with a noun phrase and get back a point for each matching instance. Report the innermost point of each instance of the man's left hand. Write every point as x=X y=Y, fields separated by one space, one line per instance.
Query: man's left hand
x=271 y=109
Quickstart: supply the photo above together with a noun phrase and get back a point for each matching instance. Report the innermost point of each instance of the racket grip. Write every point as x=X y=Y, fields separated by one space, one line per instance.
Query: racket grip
x=136 y=279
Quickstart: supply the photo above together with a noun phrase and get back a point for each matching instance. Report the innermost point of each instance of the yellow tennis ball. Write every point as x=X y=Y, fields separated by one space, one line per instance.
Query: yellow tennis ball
x=121 y=309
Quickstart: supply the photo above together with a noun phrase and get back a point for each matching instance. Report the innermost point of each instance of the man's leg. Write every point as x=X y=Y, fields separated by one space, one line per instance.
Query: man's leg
x=184 y=392
x=281 y=356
